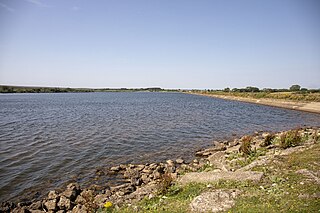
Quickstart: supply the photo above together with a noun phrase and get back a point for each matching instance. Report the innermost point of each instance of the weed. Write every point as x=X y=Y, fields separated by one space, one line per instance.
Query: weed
x=290 y=139
x=164 y=184
x=245 y=147
x=268 y=140
x=316 y=136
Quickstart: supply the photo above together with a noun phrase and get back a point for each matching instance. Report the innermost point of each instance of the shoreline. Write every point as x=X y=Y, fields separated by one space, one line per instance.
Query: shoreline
x=313 y=107
x=148 y=181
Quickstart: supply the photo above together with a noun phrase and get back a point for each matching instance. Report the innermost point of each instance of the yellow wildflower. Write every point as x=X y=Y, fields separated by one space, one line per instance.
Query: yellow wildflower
x=108 y=204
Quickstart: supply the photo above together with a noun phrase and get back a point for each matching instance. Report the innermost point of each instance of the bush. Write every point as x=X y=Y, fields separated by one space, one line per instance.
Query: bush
x=290 y=139
x=267 y=140
x=245 y=147
x=164 y=184
x=316 y=136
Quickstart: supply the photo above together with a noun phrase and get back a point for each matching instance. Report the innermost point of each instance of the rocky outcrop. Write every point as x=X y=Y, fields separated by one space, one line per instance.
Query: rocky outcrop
x=214 y=201
x=213 y=176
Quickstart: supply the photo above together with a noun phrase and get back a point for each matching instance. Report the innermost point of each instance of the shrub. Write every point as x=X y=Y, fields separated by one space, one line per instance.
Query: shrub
x=267 y=140
x=316 y=136
x=245 y=146
x=164 y=184
x=290 y=139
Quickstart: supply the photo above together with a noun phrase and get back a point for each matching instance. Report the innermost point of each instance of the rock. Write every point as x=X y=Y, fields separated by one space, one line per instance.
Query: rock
x=179 y=161
x=147 y=170
x=140 y=167
x=235 y=142
x=214 y=201
x=170 y=163
x=79 y=209
x=265 y=134
x=116 y=188
x=51 y=205
x=100 y=199
x=21 y=210
x=80 y=200
x=156 y=175
x=145 y=179
x=85 y=196
x=52 y=195
x=174 y=176
x=36 y=211
x=36 y=205
x=99 y=172
x=65 y=203
x=217 y=160
x=136 y=181
x=72 y=191
x=24 y=203
x=153 y=166
x=218 y=147
x=206 y=177
x=7 y=206
x=115 y=168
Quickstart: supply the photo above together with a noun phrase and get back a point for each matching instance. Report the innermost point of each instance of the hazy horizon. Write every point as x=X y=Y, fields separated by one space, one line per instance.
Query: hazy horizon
x=169 y=44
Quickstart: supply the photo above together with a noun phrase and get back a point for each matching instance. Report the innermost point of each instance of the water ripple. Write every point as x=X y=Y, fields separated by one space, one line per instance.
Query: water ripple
x=48 y=139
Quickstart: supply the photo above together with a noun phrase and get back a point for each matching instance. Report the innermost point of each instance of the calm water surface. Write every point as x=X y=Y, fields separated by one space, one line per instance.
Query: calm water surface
x=48 y=139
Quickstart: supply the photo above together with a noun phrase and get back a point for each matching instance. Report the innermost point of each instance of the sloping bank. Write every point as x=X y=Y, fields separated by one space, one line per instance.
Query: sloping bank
x=294 y=105
x=262 y=172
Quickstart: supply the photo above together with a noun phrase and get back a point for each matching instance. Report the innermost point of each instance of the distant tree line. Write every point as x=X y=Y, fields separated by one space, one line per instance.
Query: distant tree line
x=20 y=89
x=293 y=88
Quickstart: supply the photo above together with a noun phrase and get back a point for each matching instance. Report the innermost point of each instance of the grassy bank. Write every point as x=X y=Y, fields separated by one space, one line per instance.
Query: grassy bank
x=290 y=180
x=291 y=96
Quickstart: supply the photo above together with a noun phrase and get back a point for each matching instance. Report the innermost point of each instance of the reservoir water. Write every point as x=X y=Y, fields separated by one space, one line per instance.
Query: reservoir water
x=49 y=139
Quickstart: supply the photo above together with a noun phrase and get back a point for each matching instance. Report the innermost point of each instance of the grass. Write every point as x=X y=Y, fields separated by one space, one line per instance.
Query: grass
x=293 y=96
x=282 y=189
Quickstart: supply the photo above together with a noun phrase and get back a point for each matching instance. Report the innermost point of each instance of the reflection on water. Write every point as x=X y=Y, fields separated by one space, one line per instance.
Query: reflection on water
x=48 y=139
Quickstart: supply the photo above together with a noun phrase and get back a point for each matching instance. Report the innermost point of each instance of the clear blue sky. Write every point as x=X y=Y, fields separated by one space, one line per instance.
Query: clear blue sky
x=165 y=43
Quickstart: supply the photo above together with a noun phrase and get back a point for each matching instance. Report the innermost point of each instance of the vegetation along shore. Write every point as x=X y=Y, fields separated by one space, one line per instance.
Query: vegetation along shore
x=273 y=172
x=295 y=97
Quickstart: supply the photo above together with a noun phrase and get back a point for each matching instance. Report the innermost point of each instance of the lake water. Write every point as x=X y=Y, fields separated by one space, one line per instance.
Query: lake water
x=48 y=139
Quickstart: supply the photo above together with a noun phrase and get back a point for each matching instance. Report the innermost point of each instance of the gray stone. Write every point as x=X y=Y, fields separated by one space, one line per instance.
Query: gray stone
x=170 y=163
x=100 y=199
x=115 y=168
x=79 y=209
x=51 y=205
x=210 y=151
x=65 y=203
x=21 y=210
x=180 y=161
x=72 y=191
x=7 y=206
x=36 y=211
x=52 y=195
x=36 y=205
x=214 y=201
x=205 y=177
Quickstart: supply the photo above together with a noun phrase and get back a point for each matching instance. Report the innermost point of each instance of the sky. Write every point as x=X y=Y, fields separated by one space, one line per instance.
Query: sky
x=203 y=44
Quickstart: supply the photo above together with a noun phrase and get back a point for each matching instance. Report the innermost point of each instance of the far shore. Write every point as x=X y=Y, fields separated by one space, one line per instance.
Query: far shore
x=313 y=107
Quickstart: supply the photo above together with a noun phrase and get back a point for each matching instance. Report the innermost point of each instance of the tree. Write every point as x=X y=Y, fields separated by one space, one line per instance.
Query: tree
x=226 y=89
x=252 y=89
x=295 y=87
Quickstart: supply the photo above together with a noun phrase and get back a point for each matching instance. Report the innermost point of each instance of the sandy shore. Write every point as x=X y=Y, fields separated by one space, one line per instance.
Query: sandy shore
x=294 y=105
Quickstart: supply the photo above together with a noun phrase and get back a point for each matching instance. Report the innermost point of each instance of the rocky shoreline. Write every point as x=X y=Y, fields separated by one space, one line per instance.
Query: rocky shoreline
x=146 y=181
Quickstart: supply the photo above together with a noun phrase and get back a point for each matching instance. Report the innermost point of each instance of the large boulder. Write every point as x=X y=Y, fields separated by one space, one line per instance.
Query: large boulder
x=214 y=201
